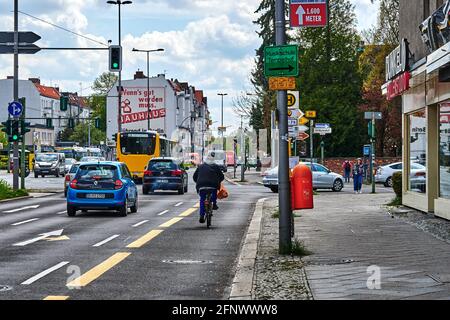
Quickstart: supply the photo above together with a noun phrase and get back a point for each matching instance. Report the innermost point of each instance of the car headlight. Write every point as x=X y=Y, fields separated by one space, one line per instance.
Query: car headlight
x=36 y=165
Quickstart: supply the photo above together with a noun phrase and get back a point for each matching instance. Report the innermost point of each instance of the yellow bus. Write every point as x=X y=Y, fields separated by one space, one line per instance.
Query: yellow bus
x=136 y=149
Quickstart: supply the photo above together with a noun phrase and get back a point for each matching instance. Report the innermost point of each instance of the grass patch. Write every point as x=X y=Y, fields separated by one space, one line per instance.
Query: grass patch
x=276 y=214
x=299 y=249
x=6 y=192
x=396 y=202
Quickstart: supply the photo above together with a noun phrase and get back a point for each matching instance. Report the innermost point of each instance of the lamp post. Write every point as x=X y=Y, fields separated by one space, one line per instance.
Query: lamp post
x=222 y=126
x=148 y=80
x=119 y=3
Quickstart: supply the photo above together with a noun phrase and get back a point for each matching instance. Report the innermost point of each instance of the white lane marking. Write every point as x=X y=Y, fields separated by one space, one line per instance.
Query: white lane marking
x=62 y=212
x=140 y=223
x=22 y=209
x=164 y=212
x=106 y=240
x=42 y=236
x=23 y=222
x=178 y=204
x=44 y=273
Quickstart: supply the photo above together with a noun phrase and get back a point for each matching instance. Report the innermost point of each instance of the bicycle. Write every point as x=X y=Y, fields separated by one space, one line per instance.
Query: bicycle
x=208 y=205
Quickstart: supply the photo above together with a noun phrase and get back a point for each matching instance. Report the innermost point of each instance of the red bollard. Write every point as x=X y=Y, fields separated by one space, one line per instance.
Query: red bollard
x=302 y=188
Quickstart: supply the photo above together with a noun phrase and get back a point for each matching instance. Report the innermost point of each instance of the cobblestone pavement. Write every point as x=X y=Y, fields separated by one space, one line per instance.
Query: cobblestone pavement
x=357 y=244
x=276 y=277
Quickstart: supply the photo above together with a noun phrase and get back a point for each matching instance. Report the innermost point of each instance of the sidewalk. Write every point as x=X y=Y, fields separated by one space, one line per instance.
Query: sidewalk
x=356 y=244
x=251 y=177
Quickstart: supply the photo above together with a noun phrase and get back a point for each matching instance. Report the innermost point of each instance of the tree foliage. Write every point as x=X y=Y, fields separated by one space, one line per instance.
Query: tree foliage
x=80 y=134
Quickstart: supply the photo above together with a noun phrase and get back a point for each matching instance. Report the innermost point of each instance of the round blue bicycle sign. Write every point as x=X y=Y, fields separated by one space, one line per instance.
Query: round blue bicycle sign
x=15 y=109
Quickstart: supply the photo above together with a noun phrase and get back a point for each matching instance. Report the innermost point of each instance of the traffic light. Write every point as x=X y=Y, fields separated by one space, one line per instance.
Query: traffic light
x=97 y=123
x=48 y=123
x=114 y=137
x=6 y=127
x=115 y=58
x=15 y=131
x=71 y=123
x=24 y=127
x=63 y=103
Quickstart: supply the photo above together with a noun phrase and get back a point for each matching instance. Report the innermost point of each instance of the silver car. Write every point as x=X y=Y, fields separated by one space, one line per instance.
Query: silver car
x=323 y=178
x=384 y=174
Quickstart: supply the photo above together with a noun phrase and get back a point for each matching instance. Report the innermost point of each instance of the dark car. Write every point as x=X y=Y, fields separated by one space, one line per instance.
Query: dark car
x=165 y=174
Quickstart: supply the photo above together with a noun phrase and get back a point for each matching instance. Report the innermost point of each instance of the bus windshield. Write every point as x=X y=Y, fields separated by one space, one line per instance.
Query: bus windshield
x=137 y=143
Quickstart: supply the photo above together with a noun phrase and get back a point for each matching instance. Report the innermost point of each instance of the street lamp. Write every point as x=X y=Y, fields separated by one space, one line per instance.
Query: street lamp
x=119 y=3
x=148 y=79
x=222 y=127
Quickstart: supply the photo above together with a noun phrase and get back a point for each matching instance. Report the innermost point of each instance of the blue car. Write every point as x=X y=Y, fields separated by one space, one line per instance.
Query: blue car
x=102 y=186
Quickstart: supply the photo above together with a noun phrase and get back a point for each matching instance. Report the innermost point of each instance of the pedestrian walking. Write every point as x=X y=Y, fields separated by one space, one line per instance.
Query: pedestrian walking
x=347 y=166
x=358 y=173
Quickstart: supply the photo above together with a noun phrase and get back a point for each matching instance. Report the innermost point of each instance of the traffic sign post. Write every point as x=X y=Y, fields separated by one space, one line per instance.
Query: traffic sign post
x=24 y=37
x=293 y=99
x=306 y=13
x=281 y=61
x=15 y=109
x=282 y=83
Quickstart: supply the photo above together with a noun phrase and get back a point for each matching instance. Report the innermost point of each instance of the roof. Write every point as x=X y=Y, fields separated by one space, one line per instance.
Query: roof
x=48 y=92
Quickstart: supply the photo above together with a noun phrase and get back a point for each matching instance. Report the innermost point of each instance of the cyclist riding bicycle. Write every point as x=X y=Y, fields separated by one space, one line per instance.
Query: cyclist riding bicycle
x=208 y=178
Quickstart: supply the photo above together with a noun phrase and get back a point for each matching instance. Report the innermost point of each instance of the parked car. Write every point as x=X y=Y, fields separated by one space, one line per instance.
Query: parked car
x=323 y=178
x=69 y=177
x=102 y=186
x=384 y=174
x=165 y=174
x=49 y=164
x=220 y=158
x=68 y=164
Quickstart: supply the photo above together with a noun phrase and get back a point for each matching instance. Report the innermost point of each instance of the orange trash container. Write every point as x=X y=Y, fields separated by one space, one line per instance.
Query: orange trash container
x=302 y=188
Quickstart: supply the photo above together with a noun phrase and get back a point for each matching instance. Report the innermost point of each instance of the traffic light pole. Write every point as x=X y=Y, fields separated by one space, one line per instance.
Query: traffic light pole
x=22 y=155
x=16 y=91
x=372 y=158
x=285 y=220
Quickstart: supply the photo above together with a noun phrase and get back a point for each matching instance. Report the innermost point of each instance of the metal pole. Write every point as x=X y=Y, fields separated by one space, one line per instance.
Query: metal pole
x=311 y=140
x=372 y=158
x=22 y=155
x=285 y=225
x=120 y=77
x=322 y=151
x=148 y=90
x=16 y=91
x=89 y=132
x=223 y=137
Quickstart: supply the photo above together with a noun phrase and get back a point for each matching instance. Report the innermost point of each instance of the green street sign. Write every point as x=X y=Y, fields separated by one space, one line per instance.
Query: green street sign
x=281 y=61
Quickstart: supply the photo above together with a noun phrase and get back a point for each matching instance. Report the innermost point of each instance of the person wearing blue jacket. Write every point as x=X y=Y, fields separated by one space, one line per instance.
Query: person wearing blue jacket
x=358 y=174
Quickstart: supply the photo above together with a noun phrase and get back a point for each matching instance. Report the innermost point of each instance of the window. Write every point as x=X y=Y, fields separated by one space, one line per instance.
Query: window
x=444 y=150
x=161 y=165
x=417 y=151
x=397 y=166
x=137 y=143
x=321 y=169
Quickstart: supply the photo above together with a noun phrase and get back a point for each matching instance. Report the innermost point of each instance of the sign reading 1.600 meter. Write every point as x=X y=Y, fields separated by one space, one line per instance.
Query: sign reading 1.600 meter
x=281 y=61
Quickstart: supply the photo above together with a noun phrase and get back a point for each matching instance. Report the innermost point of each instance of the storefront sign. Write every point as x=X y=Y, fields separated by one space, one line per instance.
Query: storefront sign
x=399 y=85
x=397 y=61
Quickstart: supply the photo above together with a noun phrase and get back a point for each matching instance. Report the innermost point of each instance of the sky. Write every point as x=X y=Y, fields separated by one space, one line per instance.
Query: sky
x=208 y=43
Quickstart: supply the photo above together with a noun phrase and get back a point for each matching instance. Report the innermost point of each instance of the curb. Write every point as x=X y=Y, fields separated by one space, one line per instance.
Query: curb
x=232 y=182
x=16 y=199
x=242 y=286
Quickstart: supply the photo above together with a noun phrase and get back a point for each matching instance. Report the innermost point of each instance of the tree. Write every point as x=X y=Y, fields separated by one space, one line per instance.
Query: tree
x=97 y=102
x=80 y=134
x=3 y=139
x=104 y=83
x=330 y=82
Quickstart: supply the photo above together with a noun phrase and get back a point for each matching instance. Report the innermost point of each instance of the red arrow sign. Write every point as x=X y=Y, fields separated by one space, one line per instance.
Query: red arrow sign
x=305 y=13
x=302 y=136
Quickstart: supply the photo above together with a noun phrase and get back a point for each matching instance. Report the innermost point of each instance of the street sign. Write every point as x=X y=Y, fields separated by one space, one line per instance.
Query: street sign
x=311 y=114
x=281 y=61
x=303 y=121
x=15 y=109
x=302 y=128
x=282 y=83
x=367 y=149
x=307 y=13
x=25 y=37
x=292 y=122
x=222 y=129
x=369 y=115
x=302 y=136
x=322 y=126
x=323 y=131
x=26 y=48
x=295 y=113
x=293 y=99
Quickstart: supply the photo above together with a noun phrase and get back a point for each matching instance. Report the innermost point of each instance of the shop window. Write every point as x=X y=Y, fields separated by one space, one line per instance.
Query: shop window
x=444 y=150
x=417 y=152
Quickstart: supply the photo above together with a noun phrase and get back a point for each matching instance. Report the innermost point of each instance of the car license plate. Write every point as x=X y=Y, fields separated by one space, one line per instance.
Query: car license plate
x=95 y=196
x=163 y=181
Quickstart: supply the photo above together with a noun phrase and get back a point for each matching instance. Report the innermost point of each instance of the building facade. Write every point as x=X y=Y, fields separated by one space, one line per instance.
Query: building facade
x=418 y=73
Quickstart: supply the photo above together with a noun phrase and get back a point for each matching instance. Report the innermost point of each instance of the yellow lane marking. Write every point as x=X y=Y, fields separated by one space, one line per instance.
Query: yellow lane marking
x=197 y=205
x=170 y=222
x=62 y=238
x=56 y=298
x=98 y=270
x=144 y=239
x=188 y=212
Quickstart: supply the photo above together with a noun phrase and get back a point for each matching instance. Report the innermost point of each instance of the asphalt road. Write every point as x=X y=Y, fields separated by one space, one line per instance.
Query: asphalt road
x=161 y=252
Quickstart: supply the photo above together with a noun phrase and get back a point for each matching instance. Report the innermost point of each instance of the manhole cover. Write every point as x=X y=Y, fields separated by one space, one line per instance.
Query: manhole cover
x=5 y=288
x=188 y=261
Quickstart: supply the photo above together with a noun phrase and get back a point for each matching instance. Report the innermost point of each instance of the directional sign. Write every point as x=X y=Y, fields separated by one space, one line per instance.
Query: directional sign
x=307 y=13
x=295 y=113
x=302 y=128
x=281 y=61
x=302 y=136
x=323 y=131
x=369 y=115
x=322 y=126
x=24 y=37
x=303 y=121
x=311 y=114
x=23 y=48
x=293 y=99
x=282 y=83
x=292 y=122
x=15 y=109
